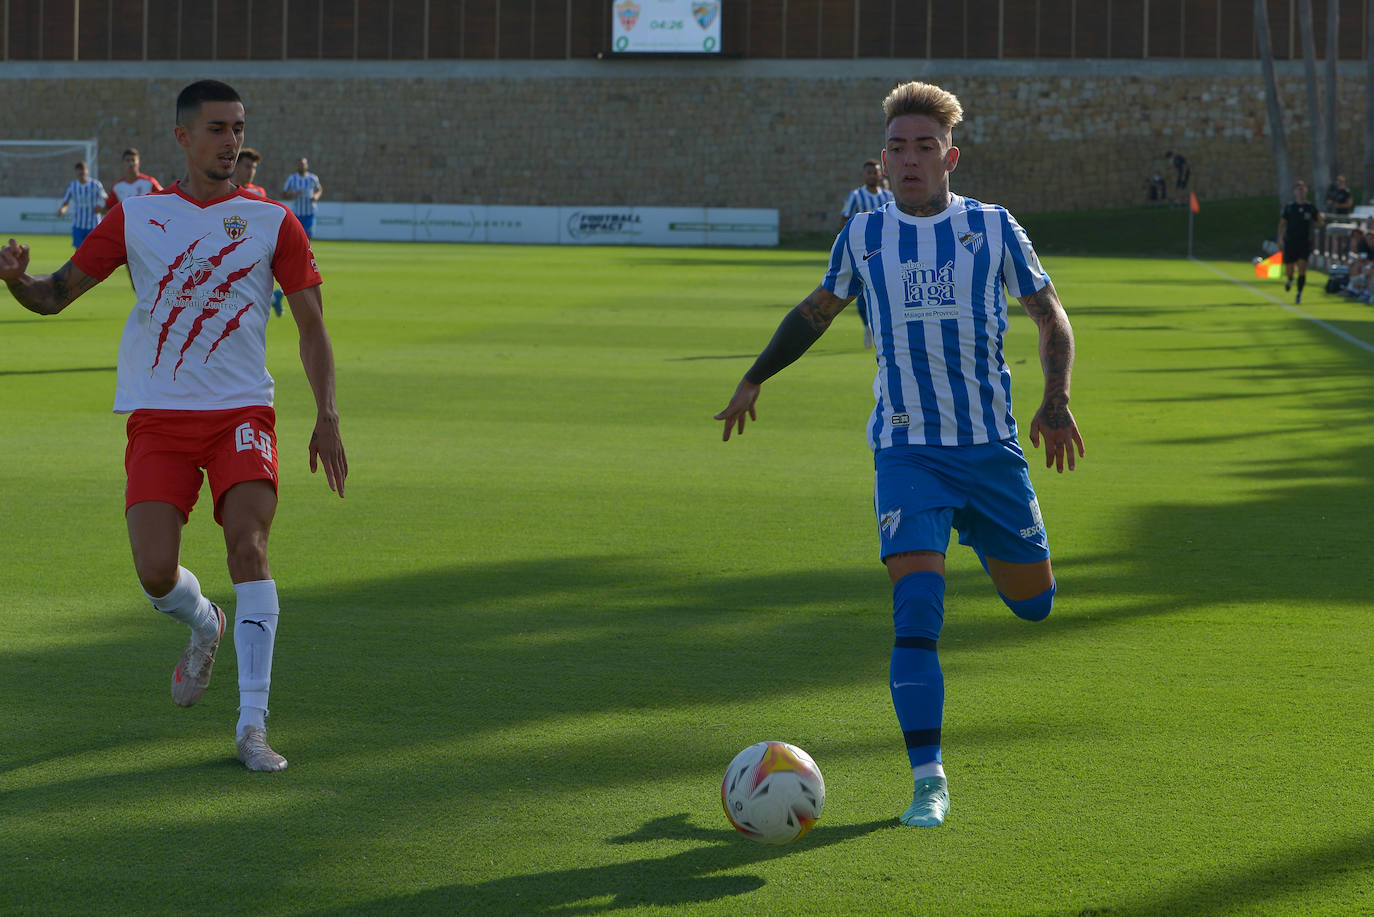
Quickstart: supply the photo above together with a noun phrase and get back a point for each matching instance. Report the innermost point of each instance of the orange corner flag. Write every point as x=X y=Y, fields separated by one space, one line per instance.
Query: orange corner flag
x=1193 y=205
x=1270 y=268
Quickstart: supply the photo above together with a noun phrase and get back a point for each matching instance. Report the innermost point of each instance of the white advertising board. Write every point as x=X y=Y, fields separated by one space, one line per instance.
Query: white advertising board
x=592 y=225
x=665 y=26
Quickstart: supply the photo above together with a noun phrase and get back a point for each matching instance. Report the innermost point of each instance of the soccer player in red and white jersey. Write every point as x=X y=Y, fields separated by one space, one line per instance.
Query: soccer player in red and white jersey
x=246 y=169
x=193 y=379
x=132 y=183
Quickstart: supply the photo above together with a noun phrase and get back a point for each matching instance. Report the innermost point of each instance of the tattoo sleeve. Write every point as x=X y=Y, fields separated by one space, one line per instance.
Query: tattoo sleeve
x=1056 y=347
x=799 y=329
x=51 y=294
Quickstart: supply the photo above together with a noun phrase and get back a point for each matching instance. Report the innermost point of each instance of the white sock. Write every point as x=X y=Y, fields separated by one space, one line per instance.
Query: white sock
x=187 y=605
x=255 y=632
x=933 y=769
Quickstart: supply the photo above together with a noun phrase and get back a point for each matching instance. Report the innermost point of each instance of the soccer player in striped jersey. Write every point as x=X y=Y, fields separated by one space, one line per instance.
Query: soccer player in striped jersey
x=192 y=377
x=930 y=268
x=86 y=197
x=133 y=183
x=867 y=197
x=303 y=190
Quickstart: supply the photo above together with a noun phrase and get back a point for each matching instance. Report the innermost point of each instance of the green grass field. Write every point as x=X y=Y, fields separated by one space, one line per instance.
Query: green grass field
x=514 y=662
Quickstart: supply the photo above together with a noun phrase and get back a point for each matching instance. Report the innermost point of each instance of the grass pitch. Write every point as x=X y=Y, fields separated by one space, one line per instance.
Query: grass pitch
x=514 y=662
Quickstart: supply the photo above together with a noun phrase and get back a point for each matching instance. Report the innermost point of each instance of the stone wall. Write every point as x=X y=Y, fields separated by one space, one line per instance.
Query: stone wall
x=788 y=134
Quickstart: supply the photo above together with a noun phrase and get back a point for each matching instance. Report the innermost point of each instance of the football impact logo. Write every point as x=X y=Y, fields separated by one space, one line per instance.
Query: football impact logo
x=888 y=522
x=705 y=13
x=973 y=241
x=234 y=227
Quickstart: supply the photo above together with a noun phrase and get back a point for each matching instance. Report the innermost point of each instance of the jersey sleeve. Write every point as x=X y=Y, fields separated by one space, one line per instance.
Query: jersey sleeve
x=851 y=205
x=157 y=185
x=104 y=249
x=67 y=195
x=293 y=264
x=840 y=277
x=1021 y=270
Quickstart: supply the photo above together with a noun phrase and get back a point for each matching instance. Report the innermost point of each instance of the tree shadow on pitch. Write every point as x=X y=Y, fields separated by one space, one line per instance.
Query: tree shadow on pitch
x=705 y=872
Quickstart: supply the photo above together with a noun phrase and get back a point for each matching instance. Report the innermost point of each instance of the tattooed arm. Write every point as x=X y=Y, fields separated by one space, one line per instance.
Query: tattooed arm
x=1054 y=420
x=48 y=294
x=799 y=329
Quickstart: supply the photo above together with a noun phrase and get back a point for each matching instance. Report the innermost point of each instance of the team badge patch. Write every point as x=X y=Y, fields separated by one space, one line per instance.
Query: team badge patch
x=235 y=227
x=705 y=13
x=973 y=241
x=888 y=522
x=628 y=14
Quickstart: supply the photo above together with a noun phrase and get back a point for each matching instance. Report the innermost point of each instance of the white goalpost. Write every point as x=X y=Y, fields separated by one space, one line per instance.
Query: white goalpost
x=38 y=168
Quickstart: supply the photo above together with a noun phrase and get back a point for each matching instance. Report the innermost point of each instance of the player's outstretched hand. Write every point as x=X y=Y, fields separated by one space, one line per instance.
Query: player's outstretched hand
x=326 y=448
x=742 y=403
x=14 y=261
x=1057 y=426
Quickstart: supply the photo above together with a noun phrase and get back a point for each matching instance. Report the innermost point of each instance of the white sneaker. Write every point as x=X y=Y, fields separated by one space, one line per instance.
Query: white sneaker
x=192 y=675
x=256 y=754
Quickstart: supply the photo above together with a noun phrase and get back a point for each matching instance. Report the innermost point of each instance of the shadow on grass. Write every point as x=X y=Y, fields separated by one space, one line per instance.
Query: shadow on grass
x=704 y=873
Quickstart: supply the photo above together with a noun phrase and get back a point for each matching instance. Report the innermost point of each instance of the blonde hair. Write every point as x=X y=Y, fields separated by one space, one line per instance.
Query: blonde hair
x=924 y=99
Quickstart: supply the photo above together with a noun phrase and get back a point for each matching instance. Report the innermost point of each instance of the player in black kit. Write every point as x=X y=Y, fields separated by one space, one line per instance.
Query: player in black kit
x=1295 y=235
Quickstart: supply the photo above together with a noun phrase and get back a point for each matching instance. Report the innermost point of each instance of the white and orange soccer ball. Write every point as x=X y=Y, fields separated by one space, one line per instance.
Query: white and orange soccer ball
x=773 y=792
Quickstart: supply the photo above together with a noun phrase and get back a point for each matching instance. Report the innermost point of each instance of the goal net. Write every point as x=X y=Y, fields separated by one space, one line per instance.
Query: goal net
x=42 y=168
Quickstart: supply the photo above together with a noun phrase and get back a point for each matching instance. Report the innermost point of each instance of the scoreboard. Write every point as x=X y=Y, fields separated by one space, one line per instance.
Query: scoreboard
x=665 y=26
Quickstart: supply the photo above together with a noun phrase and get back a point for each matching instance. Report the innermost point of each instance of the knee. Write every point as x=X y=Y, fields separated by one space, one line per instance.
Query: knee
x=1036 y=608
x=918 y=605
x=247 y=558
x=157 y=576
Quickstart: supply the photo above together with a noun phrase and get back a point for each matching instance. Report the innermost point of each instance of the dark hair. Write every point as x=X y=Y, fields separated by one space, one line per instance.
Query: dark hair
x=872 y=162
x=80 y=164
x=131 y=151
x=190 y=99
x=249 y=154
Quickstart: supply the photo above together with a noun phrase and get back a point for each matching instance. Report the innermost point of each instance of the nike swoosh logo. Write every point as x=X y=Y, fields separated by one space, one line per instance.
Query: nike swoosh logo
x=871 y=254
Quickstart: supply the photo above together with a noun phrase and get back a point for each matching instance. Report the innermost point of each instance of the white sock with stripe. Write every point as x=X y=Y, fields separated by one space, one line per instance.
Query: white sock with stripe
x=255 y=633
x=186 y=604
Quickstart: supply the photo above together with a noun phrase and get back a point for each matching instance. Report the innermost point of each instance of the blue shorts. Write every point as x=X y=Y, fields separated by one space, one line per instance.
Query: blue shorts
x=983 y=491
x=308 y=224
x=79 y=236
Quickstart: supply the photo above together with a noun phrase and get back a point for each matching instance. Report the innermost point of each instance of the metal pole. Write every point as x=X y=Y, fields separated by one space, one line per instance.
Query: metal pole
x=1190 y=233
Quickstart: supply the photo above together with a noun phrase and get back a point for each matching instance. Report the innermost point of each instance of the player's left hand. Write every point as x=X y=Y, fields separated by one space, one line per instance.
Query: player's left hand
x=1056 y=424
x=741 y=403
x=326 y=448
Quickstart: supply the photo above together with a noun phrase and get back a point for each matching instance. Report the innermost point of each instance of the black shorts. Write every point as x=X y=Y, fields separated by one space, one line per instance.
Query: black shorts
x=1296 y=251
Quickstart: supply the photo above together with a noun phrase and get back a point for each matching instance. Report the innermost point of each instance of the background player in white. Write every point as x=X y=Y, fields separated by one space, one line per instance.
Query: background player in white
x=86 y=196
x=931 y=265
x=303 y=190
x=192 y=378
x=867 y=197
x=132 y=182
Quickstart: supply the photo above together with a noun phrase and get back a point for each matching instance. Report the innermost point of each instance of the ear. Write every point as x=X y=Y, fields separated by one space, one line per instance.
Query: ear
x=951 y=158
x=183 y=136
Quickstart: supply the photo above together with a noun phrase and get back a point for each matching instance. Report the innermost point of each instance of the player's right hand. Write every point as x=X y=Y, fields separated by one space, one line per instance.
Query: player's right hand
x=742 y=403
x=14 y=261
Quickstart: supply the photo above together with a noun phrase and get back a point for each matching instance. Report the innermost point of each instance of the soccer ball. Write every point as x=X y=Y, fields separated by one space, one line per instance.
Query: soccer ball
x=772 y=792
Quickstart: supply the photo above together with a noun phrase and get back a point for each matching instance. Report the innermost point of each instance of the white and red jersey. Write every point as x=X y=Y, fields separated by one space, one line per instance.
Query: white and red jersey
x=124 y=189
x=255 y=190
x=203 y=272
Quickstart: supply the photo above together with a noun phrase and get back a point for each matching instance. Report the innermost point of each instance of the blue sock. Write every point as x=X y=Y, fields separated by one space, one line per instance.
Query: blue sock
x=1036 y=608
x=918 y=685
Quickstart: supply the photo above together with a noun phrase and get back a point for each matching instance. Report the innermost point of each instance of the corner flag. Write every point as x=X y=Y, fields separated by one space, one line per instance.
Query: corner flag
x=1270 y=268
x=1193 y=205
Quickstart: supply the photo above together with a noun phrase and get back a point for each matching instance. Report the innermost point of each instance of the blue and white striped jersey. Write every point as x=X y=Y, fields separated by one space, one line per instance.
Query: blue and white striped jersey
x=303 y=205
x=932 y=287
x=84 y=198
x=861 y=200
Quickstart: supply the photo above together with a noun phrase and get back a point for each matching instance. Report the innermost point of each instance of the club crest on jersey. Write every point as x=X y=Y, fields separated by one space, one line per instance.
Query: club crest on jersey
x=235 y=227
x=705 y=13
x=889 y=521
x=973 y=241
x=628 y=14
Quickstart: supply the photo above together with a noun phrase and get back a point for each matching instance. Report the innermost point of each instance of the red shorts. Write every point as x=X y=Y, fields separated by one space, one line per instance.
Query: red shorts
x=168 y=449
